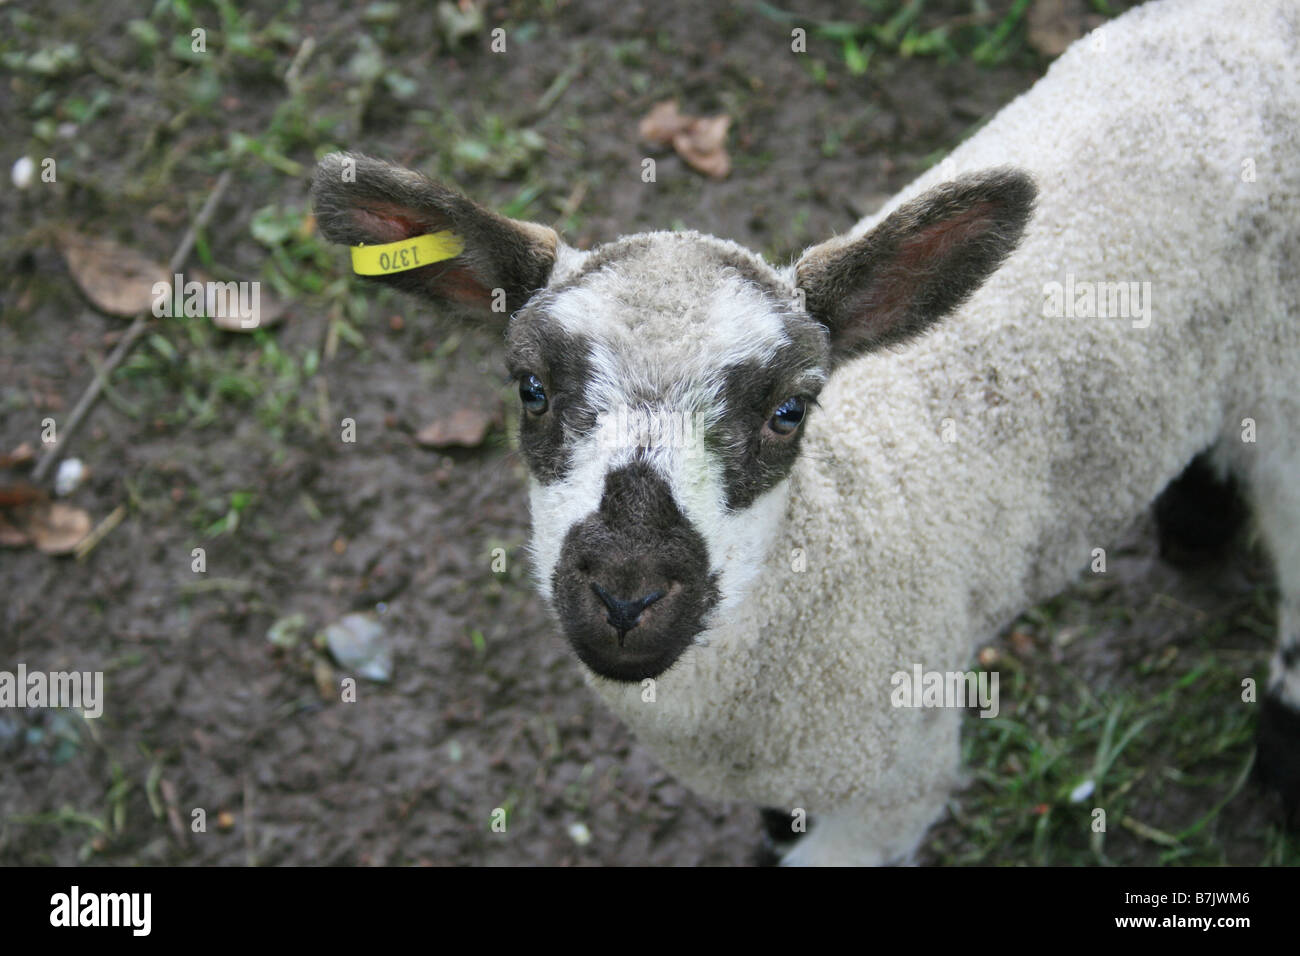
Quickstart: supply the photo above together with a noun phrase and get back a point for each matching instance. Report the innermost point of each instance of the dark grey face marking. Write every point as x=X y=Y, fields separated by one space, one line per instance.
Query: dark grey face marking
x=563 y=364
x=753 y=459
x=638 y=549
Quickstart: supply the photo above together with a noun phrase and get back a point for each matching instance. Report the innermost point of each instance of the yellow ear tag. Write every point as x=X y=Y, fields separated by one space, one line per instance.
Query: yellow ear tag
x=405 y=254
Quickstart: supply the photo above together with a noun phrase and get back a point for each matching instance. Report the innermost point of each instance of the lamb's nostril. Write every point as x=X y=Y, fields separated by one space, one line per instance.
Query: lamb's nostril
x=624 y=615
x=651 y=598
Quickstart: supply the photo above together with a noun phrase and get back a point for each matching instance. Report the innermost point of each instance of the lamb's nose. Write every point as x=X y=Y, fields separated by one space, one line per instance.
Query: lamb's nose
x=624 y=615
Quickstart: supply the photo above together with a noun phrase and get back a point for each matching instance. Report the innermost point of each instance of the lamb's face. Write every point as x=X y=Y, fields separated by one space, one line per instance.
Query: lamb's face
x=665 y=377
x=664 y=380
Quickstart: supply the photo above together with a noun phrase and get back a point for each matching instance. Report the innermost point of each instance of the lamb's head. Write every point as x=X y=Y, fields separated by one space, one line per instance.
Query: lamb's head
x=664 y=378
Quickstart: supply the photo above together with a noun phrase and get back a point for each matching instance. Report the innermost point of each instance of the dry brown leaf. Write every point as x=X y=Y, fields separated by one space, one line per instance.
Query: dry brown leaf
x=662 y=123
x=20 y=494
x=115 y=278
x=700 y=140
x=270 y=308
x=11 y=536
x=17 y=501
x=57 y=528
x=704 y=145
x=19 y=456
x=466 y=427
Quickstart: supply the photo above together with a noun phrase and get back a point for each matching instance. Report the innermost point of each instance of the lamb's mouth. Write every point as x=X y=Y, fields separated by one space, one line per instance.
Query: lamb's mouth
x=632 y=587
x=605 y=658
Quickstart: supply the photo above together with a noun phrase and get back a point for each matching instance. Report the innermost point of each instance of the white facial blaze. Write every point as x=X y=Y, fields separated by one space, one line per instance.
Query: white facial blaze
x=559 y=506
x=737 y=541
x=659 y=354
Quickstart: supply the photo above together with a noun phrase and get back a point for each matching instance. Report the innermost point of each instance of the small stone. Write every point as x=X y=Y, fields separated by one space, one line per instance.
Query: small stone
x=70 y=475
x=358 y=643
x=23 y=173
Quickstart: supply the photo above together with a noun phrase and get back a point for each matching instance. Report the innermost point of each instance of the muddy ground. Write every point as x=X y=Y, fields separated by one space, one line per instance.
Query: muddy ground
x=486 y=708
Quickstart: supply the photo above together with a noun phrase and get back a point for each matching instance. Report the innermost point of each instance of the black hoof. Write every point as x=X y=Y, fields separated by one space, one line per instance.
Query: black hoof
x=1277 y=755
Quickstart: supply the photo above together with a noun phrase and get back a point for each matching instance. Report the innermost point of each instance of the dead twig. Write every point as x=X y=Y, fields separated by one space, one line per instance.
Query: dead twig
x=173 y=811
x=557 y=88
x=293 y=75
x=101 y=530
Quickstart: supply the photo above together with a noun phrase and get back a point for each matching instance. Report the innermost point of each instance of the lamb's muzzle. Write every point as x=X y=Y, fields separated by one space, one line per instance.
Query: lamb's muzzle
x=632 y=586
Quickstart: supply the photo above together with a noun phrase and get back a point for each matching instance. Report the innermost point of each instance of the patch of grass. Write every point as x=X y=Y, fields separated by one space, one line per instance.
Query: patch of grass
x=238 y=503
x=1141 y=773
x=909 y=28
x=185 y=377
x=495 y=147
x=300 y=262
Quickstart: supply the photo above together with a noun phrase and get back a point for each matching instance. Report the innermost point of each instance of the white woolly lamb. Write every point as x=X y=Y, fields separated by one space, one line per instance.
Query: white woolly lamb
x=742 y=574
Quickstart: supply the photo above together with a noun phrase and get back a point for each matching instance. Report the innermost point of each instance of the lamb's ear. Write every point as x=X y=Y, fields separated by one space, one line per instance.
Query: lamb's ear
x=363 y=201
x=917 y=265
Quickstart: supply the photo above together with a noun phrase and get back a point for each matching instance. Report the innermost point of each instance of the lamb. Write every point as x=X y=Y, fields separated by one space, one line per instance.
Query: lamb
x=890 y=448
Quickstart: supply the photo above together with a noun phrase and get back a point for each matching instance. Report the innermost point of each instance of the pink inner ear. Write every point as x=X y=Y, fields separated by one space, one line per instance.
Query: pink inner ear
x=387 y=223
x=889 y=294
x=929 y=246
x=460 y=286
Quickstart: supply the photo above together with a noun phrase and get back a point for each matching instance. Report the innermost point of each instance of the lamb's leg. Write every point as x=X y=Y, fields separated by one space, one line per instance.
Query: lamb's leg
x=867 y=836
x=900 y=802
x=1275 y=487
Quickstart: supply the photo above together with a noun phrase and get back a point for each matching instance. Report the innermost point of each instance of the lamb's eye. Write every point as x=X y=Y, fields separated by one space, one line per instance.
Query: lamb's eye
x=532 y=394
x=788 y=416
